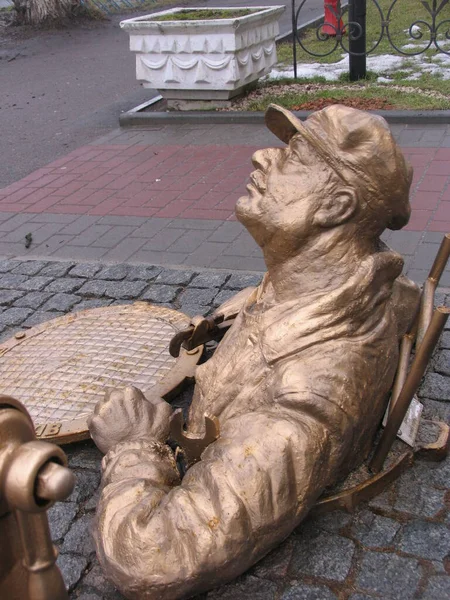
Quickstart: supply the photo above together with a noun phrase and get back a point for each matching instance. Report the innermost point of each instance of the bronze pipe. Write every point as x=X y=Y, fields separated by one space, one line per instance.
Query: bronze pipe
x=402 y=369
x=412 y=382
x=429 y=288
x=45 y=581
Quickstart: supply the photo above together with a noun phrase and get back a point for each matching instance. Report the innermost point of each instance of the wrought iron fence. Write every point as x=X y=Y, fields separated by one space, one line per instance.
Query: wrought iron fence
x=344 y=27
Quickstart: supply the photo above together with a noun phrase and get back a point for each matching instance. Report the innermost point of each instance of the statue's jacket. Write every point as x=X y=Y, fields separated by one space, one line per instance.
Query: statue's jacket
x=299 y=388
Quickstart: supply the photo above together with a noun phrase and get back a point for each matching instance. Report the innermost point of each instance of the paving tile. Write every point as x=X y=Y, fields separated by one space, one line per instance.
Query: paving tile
x=405 y=242
x=150 y=227
x=80 y=252
x=124 y=250
x=79 y=225
x=115 y=235
x=162 y=240
x=15 y=222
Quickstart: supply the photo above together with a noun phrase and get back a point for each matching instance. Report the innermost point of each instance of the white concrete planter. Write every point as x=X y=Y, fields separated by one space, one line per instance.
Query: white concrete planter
x=204 y=59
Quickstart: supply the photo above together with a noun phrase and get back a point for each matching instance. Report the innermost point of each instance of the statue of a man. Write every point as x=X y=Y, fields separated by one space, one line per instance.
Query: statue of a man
x=299 y=383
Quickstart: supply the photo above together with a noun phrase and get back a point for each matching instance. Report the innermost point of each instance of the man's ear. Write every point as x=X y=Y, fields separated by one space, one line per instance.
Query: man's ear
x=337 y=208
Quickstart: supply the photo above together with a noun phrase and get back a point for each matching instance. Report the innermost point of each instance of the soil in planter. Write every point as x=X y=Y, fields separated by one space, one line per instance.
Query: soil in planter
x=200 y=15
x=353 y=102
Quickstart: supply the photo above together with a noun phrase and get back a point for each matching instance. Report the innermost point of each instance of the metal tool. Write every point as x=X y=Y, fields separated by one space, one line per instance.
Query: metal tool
x=202 y=330
x=191 y=445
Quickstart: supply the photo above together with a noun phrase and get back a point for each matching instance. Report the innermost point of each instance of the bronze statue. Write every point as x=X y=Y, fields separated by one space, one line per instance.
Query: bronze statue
x=298 y=384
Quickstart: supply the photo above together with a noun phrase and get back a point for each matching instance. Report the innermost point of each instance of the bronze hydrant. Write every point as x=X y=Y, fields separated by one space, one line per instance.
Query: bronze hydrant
x=33 y=475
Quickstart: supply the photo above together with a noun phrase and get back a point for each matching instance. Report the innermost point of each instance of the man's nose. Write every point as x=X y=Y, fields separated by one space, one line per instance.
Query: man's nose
x=263 y=159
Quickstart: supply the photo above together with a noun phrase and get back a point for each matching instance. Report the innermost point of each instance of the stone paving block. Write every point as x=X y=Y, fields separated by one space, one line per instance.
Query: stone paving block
x=78 y=539
x=61 y=302
x=246 y=588
x=438 y=588
x=11 y=282
x=54 y=243
x=9 y=296
x=72 y=567
x=88 y=304
x=60 y=517
x=436 y=387
x=14 y=316
x=425 y=539
x=86 y=484
x=198 y=296
x=436 y=410
x=332 y=522
x=275 y=565
x=31 y=267
x=125 y=290
x=223 y=296
x=389 y=575
x=425 y=255
x=40 y=316
x=95 y=287
x=206 y=254
x=303 y=591
x=32 y=300
x=65 y=284
x=35 y=284
x=160 y=293
x=56 y=269
x=97 y=580
x=324 y=555
x=194 y=310
x=415 y=497
x=442 y=364
x=86 y=270
x=175 y=277
x=143 y=272
x=239 y=281
x=373 y=530
x=114 y=272
x=8 y=265
x=87 y=457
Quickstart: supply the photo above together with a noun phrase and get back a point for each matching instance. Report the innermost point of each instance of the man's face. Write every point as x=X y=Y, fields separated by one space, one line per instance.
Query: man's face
x=282 y=195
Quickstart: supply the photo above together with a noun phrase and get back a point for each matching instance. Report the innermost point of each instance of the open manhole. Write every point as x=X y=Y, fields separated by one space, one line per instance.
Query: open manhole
x=60 y=369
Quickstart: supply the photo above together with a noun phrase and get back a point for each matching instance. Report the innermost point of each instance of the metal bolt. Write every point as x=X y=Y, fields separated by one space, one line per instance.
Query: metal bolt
x=20 y=335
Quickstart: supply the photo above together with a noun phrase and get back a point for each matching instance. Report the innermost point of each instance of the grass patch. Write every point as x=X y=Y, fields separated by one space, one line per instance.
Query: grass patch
x=200 y=15
x=360 y=95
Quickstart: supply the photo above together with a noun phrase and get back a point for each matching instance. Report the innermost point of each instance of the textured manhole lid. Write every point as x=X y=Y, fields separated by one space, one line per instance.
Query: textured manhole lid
x=60 y=369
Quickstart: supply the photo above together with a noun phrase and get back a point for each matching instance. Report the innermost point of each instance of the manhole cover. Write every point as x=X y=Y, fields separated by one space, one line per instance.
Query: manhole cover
x=60 y=369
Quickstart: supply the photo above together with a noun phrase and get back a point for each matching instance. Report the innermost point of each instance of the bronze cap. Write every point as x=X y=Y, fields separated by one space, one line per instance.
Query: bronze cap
x=360 y=148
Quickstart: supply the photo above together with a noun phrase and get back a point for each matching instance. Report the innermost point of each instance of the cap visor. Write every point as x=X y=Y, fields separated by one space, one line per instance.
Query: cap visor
x=282 y=122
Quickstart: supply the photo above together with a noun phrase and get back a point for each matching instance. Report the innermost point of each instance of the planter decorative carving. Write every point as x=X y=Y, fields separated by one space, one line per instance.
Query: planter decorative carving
x=210 y=59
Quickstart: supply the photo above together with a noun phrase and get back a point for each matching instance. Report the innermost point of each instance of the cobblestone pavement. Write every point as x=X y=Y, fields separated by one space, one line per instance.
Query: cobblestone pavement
x=166 y=196
x=396 y=547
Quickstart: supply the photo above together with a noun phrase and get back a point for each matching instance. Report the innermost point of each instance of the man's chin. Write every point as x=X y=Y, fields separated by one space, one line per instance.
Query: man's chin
x=246 y=210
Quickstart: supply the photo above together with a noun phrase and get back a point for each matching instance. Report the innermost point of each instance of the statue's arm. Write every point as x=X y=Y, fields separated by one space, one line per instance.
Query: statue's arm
x=159 y=538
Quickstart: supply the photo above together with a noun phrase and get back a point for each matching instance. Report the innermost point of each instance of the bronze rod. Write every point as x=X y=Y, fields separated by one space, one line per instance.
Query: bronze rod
x=441 y=259
x=412 y=382
x=429 y=288
x=426 y=309
x=402 y=369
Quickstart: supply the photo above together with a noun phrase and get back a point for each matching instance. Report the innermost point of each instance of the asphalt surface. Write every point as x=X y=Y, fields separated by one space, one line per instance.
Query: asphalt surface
x=62 y=89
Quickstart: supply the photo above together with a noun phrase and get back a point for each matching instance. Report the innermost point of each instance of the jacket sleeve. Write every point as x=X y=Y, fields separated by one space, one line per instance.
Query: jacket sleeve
x=159 y=538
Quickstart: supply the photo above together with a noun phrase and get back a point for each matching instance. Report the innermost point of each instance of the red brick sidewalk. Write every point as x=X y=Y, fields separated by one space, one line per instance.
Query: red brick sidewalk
x=188 y=182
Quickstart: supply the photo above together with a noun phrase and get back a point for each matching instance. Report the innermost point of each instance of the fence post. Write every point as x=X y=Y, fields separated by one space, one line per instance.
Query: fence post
x=357 y=47
x=294 y=39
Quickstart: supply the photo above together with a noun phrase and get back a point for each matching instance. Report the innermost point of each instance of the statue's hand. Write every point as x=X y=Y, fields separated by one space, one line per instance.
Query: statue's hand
x=125 y=414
